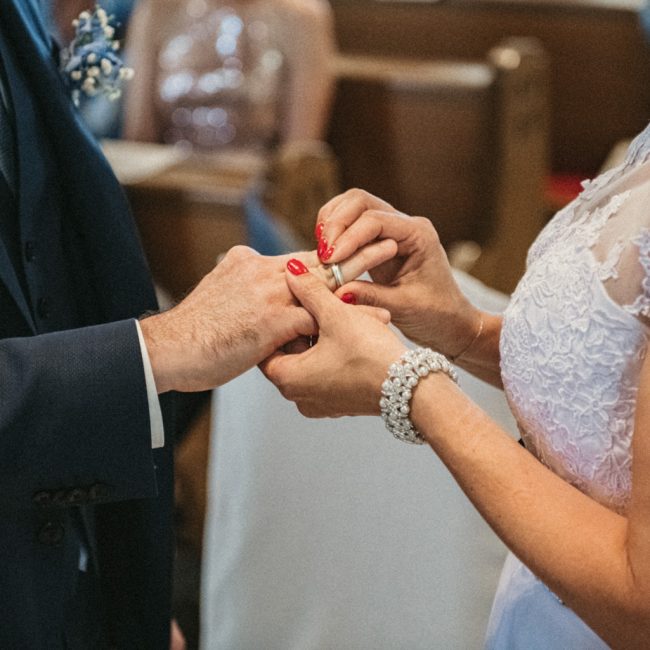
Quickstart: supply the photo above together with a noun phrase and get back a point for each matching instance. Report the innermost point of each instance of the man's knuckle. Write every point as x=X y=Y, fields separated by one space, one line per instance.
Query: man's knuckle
x=240 y=251
x=355 y=192
x=424 y=224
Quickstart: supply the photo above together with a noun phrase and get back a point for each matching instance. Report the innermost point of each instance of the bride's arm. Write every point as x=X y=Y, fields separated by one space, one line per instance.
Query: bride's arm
x=596 y=561
x=417 y=286
x=482 y=357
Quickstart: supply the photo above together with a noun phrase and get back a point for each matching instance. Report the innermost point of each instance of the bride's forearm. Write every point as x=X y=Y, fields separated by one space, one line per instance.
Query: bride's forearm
x=576 y=546
x=482 y=358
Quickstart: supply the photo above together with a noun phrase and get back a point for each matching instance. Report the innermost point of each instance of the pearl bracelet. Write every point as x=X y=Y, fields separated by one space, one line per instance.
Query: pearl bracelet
x=397 y=390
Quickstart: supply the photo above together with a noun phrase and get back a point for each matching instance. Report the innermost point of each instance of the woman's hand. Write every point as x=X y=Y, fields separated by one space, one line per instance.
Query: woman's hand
x=417 y=286
x=342 y=374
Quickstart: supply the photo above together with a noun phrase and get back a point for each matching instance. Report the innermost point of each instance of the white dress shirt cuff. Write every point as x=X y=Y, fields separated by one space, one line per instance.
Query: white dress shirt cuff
x=155 y=414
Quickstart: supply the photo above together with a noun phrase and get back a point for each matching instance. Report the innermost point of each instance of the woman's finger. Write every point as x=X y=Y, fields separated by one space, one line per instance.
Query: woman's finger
x=288 y=371
x=366 y=258
x=344 y=210
x=378 y=224
x=324 y=213
x=363 y=260
x=313 y=294
x=275 y=366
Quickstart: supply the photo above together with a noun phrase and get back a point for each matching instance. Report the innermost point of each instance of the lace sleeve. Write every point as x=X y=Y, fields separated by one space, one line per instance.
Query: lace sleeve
x=641 y=304
x=621 y=244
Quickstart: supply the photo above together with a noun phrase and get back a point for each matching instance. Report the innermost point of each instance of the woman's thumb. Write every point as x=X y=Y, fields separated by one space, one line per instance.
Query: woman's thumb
x=362 y=292
x=310 y=291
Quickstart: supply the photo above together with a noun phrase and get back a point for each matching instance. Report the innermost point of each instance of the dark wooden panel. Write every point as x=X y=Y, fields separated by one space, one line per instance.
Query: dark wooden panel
x=419 y=136
x=462 y=144
x=599 y=60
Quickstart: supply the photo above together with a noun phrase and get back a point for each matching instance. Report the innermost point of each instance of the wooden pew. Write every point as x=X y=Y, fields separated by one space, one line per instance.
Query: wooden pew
x=461 y=143
x=599 y=59
x=191 y=209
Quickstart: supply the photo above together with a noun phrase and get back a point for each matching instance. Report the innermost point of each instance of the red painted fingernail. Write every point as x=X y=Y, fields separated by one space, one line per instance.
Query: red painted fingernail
x=349 y=298
x=322 y=248
x=297 y=267
x=319 y=229
x=327 y=254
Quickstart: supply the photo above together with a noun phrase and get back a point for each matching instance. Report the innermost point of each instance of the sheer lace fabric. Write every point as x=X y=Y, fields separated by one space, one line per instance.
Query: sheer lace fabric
x=574 y=336
x=572 y=345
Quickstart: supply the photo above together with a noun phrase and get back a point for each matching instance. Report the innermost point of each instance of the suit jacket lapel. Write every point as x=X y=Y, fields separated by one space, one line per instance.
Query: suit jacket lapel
x=96 y=203
x=8 y=273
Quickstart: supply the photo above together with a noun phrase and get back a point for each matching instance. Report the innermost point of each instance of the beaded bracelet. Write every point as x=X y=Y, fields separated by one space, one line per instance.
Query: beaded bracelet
x=397 y=390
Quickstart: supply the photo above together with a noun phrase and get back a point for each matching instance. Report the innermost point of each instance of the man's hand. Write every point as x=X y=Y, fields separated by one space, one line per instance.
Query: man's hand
x=239 y=314
x=176 y=638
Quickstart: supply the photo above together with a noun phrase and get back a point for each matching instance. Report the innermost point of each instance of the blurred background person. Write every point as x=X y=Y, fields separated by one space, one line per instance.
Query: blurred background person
x=248 y=74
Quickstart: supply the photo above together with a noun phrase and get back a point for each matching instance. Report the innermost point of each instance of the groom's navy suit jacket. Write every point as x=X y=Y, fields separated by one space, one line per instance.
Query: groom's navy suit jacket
x=75 y=440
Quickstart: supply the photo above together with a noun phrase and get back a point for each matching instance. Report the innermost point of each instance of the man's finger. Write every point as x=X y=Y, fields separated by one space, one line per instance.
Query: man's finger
x=372 y=294
x=382 y=315
x=297 y=346
x=367 y=258
x=302 y=322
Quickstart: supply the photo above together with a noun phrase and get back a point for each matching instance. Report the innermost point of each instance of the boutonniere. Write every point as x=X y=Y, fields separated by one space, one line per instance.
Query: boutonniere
x=90 y=63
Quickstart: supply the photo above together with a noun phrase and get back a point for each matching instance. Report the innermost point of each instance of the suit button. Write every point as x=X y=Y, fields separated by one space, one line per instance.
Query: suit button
x=59 y=498
x=43 y=308
x=99 y=491
x=30 y=251
x=76 y=496
x=51 y=534
x=42 y=498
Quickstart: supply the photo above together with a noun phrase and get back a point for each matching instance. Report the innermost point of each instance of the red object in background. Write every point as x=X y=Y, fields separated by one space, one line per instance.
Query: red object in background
x=562 y=189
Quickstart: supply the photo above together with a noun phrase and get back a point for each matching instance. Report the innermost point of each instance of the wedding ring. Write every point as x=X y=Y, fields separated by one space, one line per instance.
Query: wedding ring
x=338 y=276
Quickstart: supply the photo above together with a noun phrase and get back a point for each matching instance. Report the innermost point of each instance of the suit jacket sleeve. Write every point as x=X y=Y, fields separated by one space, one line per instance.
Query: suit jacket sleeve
x=74 y=418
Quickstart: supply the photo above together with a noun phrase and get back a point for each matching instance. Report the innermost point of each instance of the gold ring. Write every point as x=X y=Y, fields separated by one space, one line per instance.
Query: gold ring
x=336 y=273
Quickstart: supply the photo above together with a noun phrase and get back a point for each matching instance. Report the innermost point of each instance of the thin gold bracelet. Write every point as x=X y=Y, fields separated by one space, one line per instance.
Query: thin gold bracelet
x=470 y=344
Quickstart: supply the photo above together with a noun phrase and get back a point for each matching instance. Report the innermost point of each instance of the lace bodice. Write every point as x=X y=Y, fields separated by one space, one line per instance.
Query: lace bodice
x=575 y=333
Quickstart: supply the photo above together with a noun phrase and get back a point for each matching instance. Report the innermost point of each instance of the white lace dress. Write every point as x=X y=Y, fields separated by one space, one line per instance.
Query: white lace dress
x=573 y=341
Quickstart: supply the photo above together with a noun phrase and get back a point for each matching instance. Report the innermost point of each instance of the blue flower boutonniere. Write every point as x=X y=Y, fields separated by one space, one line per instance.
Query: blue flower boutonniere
x=90 y=63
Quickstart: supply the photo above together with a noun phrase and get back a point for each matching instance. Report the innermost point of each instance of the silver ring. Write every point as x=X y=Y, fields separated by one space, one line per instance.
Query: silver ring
x=338 y=276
